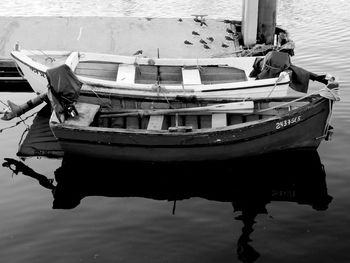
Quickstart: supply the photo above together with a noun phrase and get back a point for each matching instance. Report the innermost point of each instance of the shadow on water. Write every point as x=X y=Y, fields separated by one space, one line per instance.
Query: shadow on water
x=248 y=184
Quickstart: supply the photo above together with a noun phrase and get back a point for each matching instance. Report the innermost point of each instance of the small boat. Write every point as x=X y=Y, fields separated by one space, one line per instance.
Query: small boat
x=135 y=75
x=145 y=129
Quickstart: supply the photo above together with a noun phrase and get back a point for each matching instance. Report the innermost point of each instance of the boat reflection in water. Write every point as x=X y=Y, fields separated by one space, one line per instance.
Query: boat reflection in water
x=249 y=184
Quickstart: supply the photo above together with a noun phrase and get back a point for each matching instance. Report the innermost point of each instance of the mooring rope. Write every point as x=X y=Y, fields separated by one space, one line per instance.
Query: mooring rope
x=325 y=92
x=160 y=91
x=280 y=77
x=4 y=103
x=331 y=94
x=98 y=97
x=19 y=122
x=165 y=96
x=41 y=51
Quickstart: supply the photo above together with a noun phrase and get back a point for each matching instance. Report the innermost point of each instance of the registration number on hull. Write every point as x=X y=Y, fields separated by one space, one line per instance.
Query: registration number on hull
x=42 y=74
x=287 y=122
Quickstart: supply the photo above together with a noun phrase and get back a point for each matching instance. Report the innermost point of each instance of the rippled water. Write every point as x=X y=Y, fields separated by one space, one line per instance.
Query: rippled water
x=135 y=223
x=116 y=8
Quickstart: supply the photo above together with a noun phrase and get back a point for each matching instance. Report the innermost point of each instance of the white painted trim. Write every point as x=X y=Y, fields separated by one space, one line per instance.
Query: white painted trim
x=73 y=60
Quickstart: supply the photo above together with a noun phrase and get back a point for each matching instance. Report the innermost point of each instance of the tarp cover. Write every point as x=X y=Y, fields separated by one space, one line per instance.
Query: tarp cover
x=274 y=63
x=64 y=88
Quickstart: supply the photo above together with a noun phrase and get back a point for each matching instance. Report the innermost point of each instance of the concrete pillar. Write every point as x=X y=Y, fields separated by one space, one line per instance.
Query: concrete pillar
x=267 y=21
x=258 y=21
x=250 y=21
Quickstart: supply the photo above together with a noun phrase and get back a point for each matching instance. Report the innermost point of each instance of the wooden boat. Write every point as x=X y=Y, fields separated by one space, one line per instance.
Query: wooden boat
x=147 y=130
x=134 y=75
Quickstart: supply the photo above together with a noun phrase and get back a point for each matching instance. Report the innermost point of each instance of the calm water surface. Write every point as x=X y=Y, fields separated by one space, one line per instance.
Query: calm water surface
x=284 y=209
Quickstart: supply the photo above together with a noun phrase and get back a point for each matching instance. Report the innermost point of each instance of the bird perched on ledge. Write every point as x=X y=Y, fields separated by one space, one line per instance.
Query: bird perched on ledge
x=200 y=19
x=224 y=45
x=227 y=21
x=188 y=42
x=229 y=38
x=211 y=39
x=229 y=31
x=202 y=22
x=206 y=46
x=138 y=52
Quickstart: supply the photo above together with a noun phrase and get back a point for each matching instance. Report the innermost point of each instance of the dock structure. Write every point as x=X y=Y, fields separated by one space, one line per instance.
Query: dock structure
x=197 y=36
x=191 y=37
x=259 y=21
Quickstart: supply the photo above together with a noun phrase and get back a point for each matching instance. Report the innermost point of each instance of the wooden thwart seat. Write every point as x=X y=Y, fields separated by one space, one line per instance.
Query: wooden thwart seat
x=191 y=76
x=219 y=120
x=155 y=122
x=126 y=74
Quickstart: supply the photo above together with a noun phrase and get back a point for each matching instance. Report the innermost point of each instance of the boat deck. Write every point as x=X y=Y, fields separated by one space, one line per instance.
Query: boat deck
x=148 y=74
x=129 y=114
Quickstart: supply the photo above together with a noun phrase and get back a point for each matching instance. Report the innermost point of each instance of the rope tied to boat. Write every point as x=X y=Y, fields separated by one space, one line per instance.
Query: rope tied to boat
x=92 y=88
x=4 y=103
x=160 y=91
x=331 y=91
x=19 y=122
x=280 y=77
x=47 y=57
x=328 y=92
x=158 y=88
